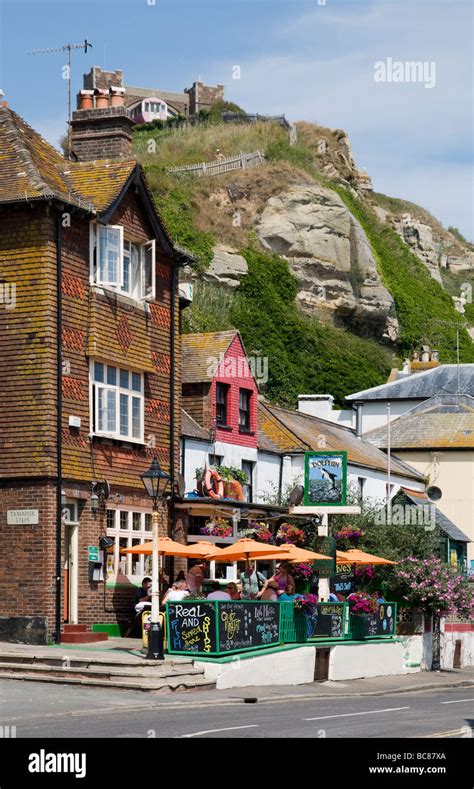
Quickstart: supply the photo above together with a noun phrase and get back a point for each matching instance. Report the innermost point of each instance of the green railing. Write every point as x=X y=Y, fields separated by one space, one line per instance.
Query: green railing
x=216 y=628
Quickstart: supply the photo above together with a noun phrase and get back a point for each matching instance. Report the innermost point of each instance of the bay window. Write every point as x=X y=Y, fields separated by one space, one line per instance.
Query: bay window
x=117 y=402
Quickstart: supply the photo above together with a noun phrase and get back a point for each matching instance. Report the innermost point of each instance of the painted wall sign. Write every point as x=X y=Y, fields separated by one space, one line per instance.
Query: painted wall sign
x=325 y=479
x=22 y=517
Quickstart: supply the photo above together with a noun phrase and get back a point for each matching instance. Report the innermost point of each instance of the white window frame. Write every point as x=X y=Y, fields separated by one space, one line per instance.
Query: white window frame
x=124 y=564
x=137 y=287
x=118 y=390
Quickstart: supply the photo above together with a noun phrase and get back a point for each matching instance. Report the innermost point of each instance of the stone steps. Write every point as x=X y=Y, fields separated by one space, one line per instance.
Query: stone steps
x=107 y=671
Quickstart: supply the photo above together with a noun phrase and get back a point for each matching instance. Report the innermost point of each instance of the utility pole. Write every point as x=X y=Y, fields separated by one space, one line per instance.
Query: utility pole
x=458 y=326
x=66 y=48
x=389 y=481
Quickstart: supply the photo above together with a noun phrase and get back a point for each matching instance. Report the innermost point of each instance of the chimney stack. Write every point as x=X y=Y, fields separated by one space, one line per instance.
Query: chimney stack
x=319 y=405
x=103 y=131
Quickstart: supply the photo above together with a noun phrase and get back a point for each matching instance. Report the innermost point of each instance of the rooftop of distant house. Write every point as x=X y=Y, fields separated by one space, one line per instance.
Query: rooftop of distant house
x=284 y=431
x=200 y=352
x=444 y=379
x=442 y=422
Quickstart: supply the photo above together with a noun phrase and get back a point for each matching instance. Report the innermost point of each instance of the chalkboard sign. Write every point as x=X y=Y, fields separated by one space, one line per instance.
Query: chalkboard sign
x=248 y=625
x=382 y=623
x=192 y=627
x=341 y=583
x=329 y=621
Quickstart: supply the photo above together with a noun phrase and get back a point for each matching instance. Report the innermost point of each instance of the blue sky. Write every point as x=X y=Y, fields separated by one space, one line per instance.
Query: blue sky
x=313 y=62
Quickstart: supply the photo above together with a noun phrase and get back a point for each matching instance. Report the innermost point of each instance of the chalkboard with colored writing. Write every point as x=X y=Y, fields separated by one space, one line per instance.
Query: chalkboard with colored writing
x=248 y=625
x=382 y=623
x=192 y=627
x=329 y=621
x=341 y=583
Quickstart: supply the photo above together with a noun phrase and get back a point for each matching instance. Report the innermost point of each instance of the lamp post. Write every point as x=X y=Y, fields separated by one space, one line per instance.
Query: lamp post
x=155 y=481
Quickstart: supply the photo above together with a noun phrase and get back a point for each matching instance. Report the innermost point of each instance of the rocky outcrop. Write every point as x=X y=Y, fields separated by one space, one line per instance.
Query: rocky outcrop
x=330 y=257
x=433 y=245
x=227 y=267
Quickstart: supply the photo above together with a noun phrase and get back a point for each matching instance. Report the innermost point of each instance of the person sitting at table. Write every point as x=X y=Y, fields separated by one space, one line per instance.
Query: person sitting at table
x=231 y=589
x=142 y=595
x=269 y=591
x=176 y=593
x=283 y=578
x=218 y=593
x=195 y=576
x=288 y=595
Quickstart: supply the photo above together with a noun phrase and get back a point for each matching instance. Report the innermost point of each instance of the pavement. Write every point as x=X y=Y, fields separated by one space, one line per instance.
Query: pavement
x=128 y=650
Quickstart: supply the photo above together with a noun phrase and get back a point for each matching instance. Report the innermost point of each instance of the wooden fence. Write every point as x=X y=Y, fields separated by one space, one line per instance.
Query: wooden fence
x=240 y=162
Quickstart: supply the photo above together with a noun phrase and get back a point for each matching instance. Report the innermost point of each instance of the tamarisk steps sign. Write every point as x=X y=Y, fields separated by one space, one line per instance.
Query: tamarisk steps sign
x=220 y=627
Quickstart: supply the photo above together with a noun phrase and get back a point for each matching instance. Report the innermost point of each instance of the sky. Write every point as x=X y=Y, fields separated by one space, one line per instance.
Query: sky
x=309 y=59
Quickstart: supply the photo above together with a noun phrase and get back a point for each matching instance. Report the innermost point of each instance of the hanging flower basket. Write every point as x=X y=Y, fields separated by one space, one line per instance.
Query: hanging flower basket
x=287 y=533
x=217 y=528
x=348 y=537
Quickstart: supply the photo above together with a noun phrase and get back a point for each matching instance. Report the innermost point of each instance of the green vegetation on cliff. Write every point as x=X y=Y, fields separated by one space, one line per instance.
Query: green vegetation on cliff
x=304 y=354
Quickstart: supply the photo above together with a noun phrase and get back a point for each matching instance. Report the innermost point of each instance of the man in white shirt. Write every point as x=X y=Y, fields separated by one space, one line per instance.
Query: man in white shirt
x=217 y=593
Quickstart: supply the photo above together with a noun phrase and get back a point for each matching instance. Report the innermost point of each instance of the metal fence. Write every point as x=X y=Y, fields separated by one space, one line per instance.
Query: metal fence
x=240 y=162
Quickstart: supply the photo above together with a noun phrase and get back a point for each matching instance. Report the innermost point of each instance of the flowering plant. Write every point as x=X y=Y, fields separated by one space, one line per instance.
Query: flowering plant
x=305 y=601
x=432 y=585
x=348 y=536
x=217 y=528
x=287 y=533
x=260 y=532
x=364 y=573
x=302 y=572
x=362 y=602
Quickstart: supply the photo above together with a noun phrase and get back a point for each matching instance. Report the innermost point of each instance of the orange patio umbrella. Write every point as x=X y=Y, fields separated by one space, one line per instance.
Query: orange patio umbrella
x=246 y=549
x=169 y=547
x=295 y=555
x=355 y=556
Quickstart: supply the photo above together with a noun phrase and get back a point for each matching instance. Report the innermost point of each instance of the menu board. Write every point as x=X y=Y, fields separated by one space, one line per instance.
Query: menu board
x=248 y=625
x=192 y=627
x=329 y=621
x=341 y=583
x=382 y=623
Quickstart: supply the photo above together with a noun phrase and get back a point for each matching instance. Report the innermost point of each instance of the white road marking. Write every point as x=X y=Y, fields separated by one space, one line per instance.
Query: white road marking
x=458 y=701
x=228 y=728
x=351 y=714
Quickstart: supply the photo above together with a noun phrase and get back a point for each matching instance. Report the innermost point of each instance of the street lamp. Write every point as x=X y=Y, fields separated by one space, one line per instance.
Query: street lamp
x=155 y=481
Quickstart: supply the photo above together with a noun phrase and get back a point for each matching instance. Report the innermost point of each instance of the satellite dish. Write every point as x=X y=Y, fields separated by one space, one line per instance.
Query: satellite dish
x=180 y=486
x=296 y=495
x=434 y=493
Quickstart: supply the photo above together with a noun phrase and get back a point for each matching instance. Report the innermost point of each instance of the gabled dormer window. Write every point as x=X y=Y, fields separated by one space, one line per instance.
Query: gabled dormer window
x=120 y=263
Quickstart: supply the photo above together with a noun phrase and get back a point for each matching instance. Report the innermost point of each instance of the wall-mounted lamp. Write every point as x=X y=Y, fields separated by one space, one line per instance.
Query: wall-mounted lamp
x=100 y=492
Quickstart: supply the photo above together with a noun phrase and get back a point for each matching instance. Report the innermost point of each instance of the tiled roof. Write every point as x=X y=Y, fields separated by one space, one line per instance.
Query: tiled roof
x=31 y=169
x=440 y=422
x=446 y=379
x=191 y=429
x=420 y=499
x=199 y=352
x=294 y=431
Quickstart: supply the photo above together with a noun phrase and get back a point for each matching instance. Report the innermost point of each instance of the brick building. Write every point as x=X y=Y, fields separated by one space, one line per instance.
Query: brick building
x=90 y=373
x=189 y=102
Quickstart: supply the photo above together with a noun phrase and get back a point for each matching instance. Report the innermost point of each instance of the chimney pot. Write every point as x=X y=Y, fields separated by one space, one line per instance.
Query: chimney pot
x=87 y=99
x=117 y=96
x=101 y=98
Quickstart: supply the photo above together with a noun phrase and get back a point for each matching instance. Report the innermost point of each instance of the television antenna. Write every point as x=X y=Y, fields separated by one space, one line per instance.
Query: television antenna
x=66 y=48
